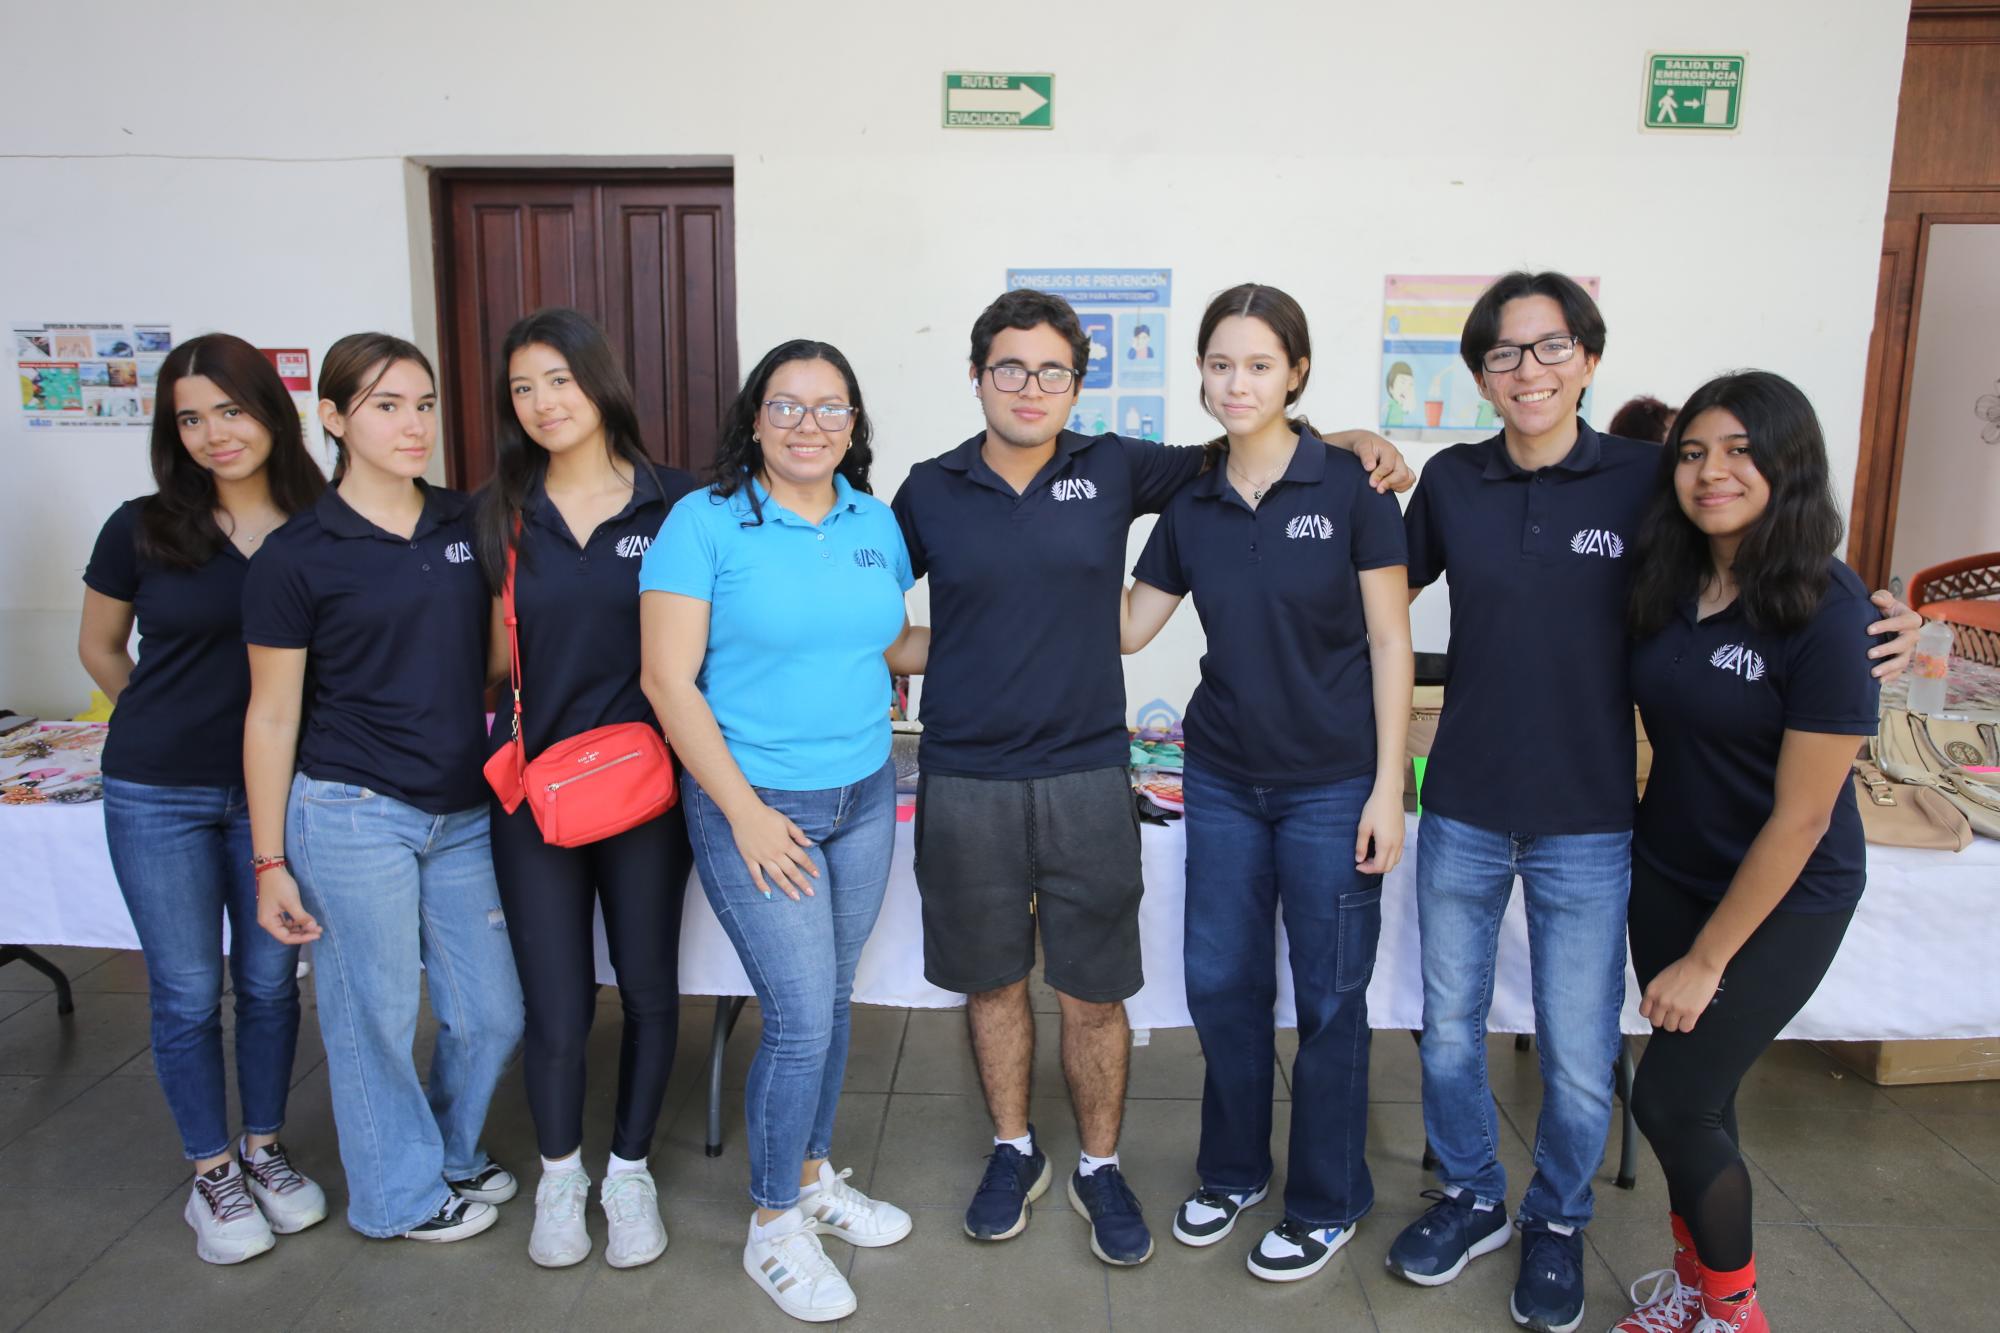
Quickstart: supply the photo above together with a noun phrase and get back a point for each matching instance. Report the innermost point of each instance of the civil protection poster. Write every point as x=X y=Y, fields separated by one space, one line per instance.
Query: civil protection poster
x=1425 y=393
x=88 y=374
x=1124 y=314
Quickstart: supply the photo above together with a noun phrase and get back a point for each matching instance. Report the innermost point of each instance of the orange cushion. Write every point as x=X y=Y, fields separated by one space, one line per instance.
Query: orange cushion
x=1980 y=613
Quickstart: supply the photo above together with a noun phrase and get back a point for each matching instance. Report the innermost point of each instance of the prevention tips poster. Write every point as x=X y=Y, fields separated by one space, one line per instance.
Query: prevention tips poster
x=1124 y=314
x=1426 y=393
x=88 y=374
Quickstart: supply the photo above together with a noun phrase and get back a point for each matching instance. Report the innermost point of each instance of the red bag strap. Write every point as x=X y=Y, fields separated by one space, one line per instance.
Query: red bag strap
x=513 y=634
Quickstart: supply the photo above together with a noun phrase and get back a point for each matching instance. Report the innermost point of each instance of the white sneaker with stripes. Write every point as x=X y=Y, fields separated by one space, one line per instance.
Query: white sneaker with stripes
x=836 y=1208
x=785 y=1259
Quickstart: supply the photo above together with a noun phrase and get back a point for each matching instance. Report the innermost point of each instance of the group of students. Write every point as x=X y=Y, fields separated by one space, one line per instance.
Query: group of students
x=758 y=619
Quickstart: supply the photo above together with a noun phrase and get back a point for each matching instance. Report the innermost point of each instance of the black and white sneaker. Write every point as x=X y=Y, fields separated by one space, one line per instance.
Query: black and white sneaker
x=1290 y=1250
x=456 y=1219
x=1207 y=1215
x=494 y=1184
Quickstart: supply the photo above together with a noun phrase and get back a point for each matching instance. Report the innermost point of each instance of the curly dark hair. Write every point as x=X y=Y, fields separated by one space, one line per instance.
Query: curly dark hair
x=1780 y=567
x=738 y=455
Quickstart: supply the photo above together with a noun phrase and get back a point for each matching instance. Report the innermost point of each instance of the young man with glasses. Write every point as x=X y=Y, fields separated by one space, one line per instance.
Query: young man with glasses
x=1531 y=774
x=1025 y=814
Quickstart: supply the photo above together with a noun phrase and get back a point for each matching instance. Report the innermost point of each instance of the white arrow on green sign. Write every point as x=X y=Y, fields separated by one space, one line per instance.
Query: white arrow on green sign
x=999 y=101
x=1692 y=92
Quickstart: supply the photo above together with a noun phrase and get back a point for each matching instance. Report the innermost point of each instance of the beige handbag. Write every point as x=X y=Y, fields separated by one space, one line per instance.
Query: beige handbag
x=1935 y=752
x=1904 y=814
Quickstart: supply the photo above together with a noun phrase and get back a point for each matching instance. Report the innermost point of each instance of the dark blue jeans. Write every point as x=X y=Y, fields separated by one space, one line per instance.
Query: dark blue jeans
x=1251 y=850
x=182 y=858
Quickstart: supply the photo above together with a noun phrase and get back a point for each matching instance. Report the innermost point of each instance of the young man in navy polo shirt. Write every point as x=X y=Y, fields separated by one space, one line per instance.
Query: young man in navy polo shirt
x=1025 y=812
x=1532 y=774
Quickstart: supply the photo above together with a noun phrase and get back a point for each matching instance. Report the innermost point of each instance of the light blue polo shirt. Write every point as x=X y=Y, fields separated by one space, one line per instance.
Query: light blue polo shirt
x=799 y=617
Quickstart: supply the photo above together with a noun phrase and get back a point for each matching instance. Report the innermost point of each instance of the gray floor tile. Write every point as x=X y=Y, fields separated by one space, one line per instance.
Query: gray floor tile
x=116 y=1133
x=873 y=1046
x=1982 y=1098
x=1476 y=1299
x=12 y=1001
x=1170 y=1064
x=1646 y=1201
x=106 y=1031
x=1863 y=1167
x=1936 y=1280
x=486 y=1282
x=935 y=1147
x=1976 y=1136
x=1183 y=1288
x=1798 y=1073
x=684 y=1171
x=1801 y=1278
x=698 y=1283
x=937 y=1054
x=49 y=1237
x=1396 y=1156
x=75 y=962
x=26 y=1101
x=124 y=971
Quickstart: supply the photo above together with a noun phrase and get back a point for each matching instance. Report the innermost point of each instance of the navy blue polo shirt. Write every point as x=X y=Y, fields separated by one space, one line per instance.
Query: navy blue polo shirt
x=1536 y=734
x=1024 y=678
x=395 y=635
x=1287 y=690
x=578 y=606
x=179 y=721
x=1718 y=696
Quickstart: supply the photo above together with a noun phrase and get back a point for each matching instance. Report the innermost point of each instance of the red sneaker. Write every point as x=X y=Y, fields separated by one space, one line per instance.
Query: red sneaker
x=1664 y=1302
x=1738 y=1316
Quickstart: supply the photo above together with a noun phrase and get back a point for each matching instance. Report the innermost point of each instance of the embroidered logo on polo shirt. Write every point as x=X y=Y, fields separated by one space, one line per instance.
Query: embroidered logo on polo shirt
x=869 y=558
x=1310 y=525
x=1735 y=657
x=1597 y=541
x=458 y=552
x=634 y=546
x=1074 y=488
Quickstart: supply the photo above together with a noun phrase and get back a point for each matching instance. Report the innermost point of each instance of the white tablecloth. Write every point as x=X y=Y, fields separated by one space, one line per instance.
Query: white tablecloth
x=1919 y=960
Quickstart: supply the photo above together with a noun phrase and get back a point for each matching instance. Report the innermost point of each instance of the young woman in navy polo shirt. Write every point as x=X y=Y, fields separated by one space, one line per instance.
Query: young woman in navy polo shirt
x=369 y=823
x=577 y=501
x=1294 y=776
x=231 y=465
x=769 y=602
x=1747 y=858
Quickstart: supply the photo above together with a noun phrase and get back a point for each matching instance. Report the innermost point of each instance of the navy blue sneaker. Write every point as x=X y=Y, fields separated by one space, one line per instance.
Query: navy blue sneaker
x=1118 y=1235
x=1548 y=1296
x=1013 y=1180
x=1436 y=1247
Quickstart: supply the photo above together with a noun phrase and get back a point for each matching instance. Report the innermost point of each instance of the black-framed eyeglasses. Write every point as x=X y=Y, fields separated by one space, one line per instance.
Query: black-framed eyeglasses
x=1010 y=378
x=784 y=414
x=1551 y=351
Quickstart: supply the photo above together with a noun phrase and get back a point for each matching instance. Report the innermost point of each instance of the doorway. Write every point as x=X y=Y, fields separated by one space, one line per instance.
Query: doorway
x=649 y=254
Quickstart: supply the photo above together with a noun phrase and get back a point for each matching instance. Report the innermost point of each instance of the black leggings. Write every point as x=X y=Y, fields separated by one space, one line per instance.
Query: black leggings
x=1685 y=1095
x=548 y=892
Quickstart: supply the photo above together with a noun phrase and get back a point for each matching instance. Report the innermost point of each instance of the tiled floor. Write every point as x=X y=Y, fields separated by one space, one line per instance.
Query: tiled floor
x=1877 y=1208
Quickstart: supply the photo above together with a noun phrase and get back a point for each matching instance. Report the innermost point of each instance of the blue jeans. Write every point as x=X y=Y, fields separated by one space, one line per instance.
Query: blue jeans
x=395 y=889
x=182 y=857
x=1251 y=850
x=1575 y=886
x=800 y=957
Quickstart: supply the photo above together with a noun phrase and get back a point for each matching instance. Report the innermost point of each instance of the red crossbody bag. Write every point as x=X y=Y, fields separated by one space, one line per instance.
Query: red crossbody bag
x=590 y=786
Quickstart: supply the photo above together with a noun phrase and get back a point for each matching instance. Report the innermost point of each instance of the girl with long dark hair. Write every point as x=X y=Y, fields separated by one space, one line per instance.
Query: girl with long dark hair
x=368 y=823
x=768 y=606
x=1747 y=858
x=576 y=501
x=230 y=465
x=1294 y=775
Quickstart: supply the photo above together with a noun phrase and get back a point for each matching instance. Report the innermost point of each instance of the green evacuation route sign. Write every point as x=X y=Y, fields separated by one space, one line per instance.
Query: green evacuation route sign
x=1696 y=93
x=999 y=101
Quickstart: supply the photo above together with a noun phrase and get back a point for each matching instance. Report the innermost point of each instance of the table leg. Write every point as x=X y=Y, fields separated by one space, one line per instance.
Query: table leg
x=21 y=953
x=728 y=1008
x=1628 y=1148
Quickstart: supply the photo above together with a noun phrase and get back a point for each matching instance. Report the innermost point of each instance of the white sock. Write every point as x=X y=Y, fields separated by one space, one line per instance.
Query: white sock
x=811 y=1187
x=1025 y=1145
x=787 y=1221
x=573 y=1162
x=618 y=1166
x=1088 y=1165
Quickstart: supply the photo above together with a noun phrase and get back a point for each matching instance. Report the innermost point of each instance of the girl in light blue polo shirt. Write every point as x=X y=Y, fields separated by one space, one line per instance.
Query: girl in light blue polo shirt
x=771 y=612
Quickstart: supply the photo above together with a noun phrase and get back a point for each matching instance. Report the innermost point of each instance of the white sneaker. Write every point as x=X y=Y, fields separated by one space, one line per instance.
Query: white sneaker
x=494 y=1184
x=792 y=1268
x=632 y=1206
x=836 y=1208
x=560 y=1237
x=289 y=1200
x=455 y=1219
x=227 y=1226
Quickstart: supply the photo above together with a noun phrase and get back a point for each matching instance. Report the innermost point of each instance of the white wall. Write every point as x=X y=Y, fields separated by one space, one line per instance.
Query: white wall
x=248 y=170
x=1949 y=505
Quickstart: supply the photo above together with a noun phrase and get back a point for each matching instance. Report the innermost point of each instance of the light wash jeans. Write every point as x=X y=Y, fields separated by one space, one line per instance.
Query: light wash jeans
x=394 y=888
x=182 y=857
x=1576 y=886
x=800 y=957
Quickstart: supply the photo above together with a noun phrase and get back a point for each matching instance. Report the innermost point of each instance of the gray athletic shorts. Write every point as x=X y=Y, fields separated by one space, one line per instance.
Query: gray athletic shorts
x=994 y=856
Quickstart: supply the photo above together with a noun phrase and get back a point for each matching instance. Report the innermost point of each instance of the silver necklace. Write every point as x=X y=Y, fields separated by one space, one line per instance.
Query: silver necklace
x=1257 y=489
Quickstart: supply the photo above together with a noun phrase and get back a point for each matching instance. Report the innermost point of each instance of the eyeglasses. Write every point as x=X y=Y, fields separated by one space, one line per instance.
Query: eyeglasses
x=1013 y=378
x=1549 y=351
x=784 y=414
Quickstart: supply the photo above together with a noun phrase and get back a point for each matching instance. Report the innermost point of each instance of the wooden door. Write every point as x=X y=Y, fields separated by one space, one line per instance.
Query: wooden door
x=649 y=255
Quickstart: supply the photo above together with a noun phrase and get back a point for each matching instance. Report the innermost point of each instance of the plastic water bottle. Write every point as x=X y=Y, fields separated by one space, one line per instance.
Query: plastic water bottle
x=1928 y=666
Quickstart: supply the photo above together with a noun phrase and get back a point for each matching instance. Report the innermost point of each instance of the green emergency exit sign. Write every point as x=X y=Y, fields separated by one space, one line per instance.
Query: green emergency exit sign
x=999 y=101
x=1693 y=92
